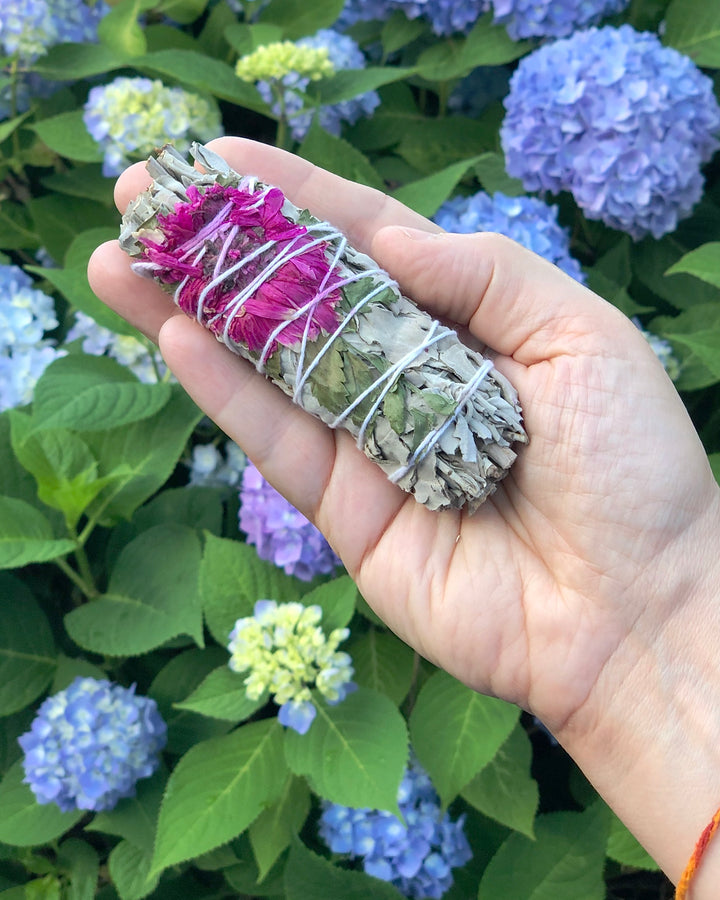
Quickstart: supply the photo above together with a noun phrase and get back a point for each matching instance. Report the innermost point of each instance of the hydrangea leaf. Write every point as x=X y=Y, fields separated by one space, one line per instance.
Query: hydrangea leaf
x=309 y=875
x=456 y=732
x=222 y=695
x=146 y=451
x=70 y=61
x=27 y=649
x=273 y=830
x=337 y=600
x=152 y=596
x=427 y=194
x=217 y=789
x=67 y=135
x=625 y=848
x=119 y=29
x=491 y=173
x=298 y=18
x=431 y=145
x=70 y=668
x=86 y=181
x=703 y=263
x=26 y=535
x=693 y=27
x=15 y=480
x=339 y=156
x=244 y=876
x=175 y=681
x=232 y=579
x=694 y=333
x=399 y=31
x=129 y=867
x=354 y=753
x=80 y=863
x=384 y=663
x=564 y=862
x=24 y=821
x=346 y=84
x=134 y=818
x=505 y=790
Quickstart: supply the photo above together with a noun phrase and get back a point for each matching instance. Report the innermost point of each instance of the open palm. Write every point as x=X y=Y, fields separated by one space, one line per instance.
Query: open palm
x=531 y=597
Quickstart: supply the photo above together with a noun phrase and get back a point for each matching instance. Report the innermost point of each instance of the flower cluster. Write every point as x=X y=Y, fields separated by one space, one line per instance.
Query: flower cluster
x=526 y=220
x=662 y=348
x=131 y=116
x=617 y=119
x=355 y=11
x=90 y=743
x=287 y=653
x=211 y=467
x=130 y=351
x=416 y=854
x=25 y=315
x=274 y=61
x=445 y=16
x=279 y=532
x=28 y=28
x=552 y=18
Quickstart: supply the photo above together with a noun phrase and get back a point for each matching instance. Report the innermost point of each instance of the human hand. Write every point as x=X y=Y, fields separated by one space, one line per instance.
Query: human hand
x=558 y=587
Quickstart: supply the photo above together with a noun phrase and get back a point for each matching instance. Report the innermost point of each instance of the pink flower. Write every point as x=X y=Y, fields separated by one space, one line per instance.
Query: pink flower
x=245 y=270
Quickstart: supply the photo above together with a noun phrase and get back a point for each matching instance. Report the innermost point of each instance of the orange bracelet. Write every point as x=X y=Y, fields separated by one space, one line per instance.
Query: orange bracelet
x=683 y=886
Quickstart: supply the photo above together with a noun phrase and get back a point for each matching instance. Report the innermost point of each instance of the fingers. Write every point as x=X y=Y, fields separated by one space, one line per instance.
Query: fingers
x=514 y=301
x=358 y=211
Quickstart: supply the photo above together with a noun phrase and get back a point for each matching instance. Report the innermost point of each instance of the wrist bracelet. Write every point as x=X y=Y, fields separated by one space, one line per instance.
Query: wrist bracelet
x=683 y=886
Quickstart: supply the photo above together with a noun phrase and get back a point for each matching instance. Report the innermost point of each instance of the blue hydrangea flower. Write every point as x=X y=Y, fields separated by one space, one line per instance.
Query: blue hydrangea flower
x=416 y=854
x=617 y=119
x=29 y=27
x=552 y=18
x=526 y=220
x=364 y=11
x=131 y=116
x=344 y=53
x=279 y=532
x=212 y=467
x=146 y=363
x=286 y=653
x=25 y=315
x=89 y=744
x=445 y=16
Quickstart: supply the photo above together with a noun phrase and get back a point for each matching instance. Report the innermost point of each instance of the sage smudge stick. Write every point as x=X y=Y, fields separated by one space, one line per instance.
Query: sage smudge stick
x=327 y=325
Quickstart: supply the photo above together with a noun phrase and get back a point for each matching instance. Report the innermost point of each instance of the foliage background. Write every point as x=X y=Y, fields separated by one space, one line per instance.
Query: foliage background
x=115 y=567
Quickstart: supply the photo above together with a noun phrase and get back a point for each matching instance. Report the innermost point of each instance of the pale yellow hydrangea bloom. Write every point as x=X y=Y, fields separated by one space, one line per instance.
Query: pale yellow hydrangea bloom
x=275 y=61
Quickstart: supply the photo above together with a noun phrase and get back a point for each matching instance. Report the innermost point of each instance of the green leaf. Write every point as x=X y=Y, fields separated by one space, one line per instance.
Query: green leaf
x=27 y=650
x=431 y=145
x=298 y=18
x=456 y=732
x=24 y=821
x=120 y=30
x=624 y=848
x=146 y=451
x=492 y=175
x=58 y=220
x=703 y=263
x=16 y=228
x=244 y=38
x=384 y=663
x=10 y=125
x=134 y=818
x=76 y=61
x=398 y=31
x=340 y=157
x=86 y=181
x=93 y=393
x=704 y=345
x=233 y=578
x=427 y=194
x=275 y=827
x=651 y=261
x=222 y=695
x=309 y=875
x=152 y=596
x=129 y=867
x=693 y=27
x=337 y=600
x=217 y=789
x=67 y=135
x=564 y=862
x=15 y=480
x=349 y=83
x=505 y=790
x=79 y=861
x=714 y=460
x=693 y=333
x=69 y=668
x=355 y=753
x=27 y=536
x=183 y=11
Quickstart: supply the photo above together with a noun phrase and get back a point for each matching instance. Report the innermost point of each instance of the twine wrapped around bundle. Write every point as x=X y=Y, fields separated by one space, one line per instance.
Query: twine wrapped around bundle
x=327 y=325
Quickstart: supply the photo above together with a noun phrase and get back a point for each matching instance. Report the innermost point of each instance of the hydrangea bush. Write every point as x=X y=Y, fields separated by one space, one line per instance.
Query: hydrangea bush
x=196 y=701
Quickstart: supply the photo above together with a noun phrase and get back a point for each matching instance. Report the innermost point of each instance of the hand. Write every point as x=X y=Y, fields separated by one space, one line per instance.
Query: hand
x=554 y=593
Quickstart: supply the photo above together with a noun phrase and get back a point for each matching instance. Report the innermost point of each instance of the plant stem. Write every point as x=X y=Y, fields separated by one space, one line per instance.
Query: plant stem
x=87 y=590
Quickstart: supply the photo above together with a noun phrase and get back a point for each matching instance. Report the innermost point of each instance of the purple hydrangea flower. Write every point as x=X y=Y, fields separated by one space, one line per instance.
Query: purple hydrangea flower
x=617 y=119
x=29 y=27
x=552 y=18
x=364 y=11
x=90 y=743
x=279 y=532
x=445 y=16
x=526 y=220
x=344 y=53
x=416 y=854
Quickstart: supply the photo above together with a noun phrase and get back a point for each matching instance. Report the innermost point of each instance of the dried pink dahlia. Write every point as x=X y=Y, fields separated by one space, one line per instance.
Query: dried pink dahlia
x=324 y=323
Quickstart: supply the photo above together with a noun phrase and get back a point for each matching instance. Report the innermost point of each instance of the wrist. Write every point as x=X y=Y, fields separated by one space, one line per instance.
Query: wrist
x=648 y=736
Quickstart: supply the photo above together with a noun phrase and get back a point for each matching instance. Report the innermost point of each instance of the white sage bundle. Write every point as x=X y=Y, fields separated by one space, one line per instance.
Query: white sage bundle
x=327 y=325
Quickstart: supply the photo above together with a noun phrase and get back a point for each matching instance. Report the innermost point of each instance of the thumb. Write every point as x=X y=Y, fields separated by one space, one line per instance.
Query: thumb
x=511 y=299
